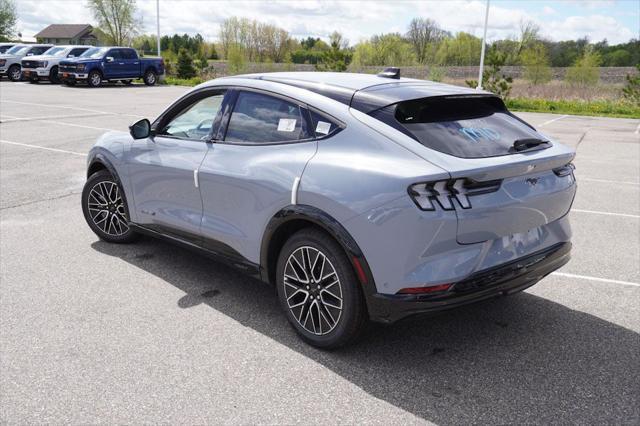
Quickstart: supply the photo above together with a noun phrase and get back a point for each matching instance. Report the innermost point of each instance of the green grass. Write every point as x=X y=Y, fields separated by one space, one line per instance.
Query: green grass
x=604 y=108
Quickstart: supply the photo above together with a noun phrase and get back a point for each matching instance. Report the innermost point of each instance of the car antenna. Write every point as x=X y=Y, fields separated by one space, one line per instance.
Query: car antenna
x=391 y=72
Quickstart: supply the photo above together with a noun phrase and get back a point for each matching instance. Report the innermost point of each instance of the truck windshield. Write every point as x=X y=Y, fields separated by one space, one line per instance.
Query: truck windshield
x=93 y=53
x=17 y=50
x=55 y=51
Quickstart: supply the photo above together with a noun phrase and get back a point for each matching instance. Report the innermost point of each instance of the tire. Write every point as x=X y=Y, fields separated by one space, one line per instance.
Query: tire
x=150 y=77
x=14 y=73
x=94 y=79
x=318 y=314
x=105 y=209
x=53 y=76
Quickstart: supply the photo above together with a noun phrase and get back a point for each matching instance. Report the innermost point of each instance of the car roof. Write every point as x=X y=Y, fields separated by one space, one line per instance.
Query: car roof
x=365 y=92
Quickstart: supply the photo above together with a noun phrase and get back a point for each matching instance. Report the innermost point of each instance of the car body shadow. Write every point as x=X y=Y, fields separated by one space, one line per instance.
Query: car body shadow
x=521 y=359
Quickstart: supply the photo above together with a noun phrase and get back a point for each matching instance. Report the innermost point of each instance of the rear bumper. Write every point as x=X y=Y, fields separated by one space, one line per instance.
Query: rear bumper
x=500 y=280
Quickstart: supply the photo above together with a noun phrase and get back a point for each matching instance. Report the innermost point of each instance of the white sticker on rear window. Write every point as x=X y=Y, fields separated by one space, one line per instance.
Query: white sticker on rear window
x=323 y=127
x=287 y=125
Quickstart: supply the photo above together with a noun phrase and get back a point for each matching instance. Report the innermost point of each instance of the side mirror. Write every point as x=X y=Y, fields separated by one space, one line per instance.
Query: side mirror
x=140 y=129
x=30 y=54
x=71 y=56
x=109 y=58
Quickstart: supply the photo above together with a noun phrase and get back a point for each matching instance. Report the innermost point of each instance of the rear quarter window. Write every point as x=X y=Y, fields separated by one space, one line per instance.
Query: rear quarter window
x=472 y=127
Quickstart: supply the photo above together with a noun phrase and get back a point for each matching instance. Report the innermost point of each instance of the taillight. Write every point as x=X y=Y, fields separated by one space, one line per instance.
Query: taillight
x=425 y=290
x=448 y=193
x=565 y=170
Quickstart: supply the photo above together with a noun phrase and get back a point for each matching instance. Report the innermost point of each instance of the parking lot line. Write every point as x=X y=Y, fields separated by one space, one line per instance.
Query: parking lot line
x=49 y=117
x=68 y=107
x=607 y=181
x=42 y=147
x=606 y=213
x=82 y=126
x=589 y=278
x=553 y=120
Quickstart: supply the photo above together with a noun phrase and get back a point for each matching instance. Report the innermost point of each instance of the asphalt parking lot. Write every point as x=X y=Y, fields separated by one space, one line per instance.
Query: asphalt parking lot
x=91 y=332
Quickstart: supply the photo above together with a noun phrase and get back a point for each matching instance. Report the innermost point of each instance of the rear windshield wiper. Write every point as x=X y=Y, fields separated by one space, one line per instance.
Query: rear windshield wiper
x=530 y=143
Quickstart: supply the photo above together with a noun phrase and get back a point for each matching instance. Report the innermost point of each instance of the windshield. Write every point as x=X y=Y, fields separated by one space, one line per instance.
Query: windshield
x=55 y=51
x=95 y=52
x=17 y=50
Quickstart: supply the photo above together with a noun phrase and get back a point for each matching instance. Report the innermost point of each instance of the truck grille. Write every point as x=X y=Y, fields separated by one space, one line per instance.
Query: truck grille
x=67 y=68
x=29 y=64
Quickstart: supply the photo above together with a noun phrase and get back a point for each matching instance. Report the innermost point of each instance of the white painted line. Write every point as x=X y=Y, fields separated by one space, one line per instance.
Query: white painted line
x=586 y=277
x=68 y=107
x=80 y=125
x=64 y=151
x=635 y=216
x=637 y=130
x=553 y=120
x=579 y=179
x=49 y=117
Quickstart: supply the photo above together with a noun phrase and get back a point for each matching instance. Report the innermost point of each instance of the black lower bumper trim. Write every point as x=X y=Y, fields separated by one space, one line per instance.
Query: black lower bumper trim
x=501 y=280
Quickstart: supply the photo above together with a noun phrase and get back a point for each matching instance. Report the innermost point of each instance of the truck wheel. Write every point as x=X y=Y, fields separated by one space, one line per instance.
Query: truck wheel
x=15 y=74
x=95 y=78
x=53 y=76
x=150 y=77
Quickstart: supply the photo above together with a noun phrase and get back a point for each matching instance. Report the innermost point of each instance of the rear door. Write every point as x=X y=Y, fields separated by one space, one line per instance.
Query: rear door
x=507 y=180
x=163 y=169
x=131 y=63
x=250 y=171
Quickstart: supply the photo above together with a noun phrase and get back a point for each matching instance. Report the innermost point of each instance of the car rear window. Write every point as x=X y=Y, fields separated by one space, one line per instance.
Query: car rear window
x=467 y=127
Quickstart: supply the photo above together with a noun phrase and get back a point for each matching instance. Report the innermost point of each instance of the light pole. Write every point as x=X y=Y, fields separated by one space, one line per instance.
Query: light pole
x=484 y=42
x=158 y=23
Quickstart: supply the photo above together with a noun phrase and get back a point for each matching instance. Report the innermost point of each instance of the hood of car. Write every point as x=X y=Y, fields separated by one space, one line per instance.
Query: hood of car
x=3 y=56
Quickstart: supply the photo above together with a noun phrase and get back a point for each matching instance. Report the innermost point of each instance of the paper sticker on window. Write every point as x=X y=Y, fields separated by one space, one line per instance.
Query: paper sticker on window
x=323 y=127
x=287 y=125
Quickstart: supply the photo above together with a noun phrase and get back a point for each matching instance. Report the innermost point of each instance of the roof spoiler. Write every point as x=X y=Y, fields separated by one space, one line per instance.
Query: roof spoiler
x=391 y=72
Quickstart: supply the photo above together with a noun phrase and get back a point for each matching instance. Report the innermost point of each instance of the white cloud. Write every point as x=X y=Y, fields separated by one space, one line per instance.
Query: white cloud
x=317 y=18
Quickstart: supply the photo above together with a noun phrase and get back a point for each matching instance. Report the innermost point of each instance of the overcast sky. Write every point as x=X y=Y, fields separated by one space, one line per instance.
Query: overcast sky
x=616 y=20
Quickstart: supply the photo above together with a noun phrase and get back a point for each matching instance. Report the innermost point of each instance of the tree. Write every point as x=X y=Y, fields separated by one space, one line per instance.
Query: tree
x=385 y=49
x=536 y=64
x=8 y=18
x=235 y=59
x=185 y=67
x=631 y=91
x=463 y=49
x=116 y=18
x=424 y=34
x=335 y=59
x=492 y=79
x=585 y=71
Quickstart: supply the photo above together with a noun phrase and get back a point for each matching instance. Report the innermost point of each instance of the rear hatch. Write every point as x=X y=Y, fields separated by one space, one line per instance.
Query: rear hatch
x=506 y=178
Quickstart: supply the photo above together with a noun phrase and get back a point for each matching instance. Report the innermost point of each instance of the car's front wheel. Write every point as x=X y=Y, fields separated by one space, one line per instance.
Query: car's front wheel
x=54 y=78
x=15 y=74
x=318 y=290
x=105 y=208
x=95 y=78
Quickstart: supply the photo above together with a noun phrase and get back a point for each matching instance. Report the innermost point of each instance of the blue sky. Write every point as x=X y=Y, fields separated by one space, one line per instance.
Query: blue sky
x=616 y=20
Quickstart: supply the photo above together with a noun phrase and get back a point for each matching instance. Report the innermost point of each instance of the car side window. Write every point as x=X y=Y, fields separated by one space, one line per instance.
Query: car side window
x=128 y=54
x=115 y=54
x=39 y=50
x=76 y=52
x=322 y=126
x=196 y=120
x=259 y=118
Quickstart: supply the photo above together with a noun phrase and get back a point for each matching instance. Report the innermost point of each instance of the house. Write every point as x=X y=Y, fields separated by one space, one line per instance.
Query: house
x=68 y=34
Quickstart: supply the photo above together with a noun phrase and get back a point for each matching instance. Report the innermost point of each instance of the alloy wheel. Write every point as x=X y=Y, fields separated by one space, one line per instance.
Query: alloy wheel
x=95 y=79
x=313 y=290
x=106 y=208
x=16 y=73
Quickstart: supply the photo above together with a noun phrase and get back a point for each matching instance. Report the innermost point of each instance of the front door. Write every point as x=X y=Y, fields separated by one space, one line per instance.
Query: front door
x=113 y=64
x=163 y=169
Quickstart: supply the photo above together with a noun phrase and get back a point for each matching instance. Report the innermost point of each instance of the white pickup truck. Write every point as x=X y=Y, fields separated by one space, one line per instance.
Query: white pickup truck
x=45 y=66
x=10 y=60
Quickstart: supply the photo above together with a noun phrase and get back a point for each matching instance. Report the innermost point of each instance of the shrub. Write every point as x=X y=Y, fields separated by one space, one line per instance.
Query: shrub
x=235 y=60
x=436 y=73
x=492 y=79
x=184 y=68
x=536 y=64
x=585 y=71
x=631 y=91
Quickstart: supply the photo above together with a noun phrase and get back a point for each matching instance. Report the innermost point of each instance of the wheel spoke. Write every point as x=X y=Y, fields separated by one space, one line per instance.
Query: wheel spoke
x=106 y=208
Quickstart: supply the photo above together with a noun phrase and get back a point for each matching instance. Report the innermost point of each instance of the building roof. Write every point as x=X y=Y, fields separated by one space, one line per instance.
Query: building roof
x=64 y=31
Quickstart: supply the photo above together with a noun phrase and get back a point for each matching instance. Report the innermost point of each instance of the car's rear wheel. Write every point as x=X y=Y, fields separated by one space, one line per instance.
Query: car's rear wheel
x=53 y=76
x=95 y=78
x=105 y=209
x=150 y=78
x=318 y=290
x=15 y=74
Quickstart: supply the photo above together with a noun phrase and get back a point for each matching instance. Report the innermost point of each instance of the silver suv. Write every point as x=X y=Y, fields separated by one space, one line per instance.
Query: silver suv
x=357 y=196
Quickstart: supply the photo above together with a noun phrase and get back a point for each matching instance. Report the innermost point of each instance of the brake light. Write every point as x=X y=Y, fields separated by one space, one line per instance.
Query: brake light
x=425 y=290
x=448 y=193
x=565 y=170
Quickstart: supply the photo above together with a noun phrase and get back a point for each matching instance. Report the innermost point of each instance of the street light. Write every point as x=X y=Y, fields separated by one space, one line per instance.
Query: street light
x=158 y=23
x=484 y=42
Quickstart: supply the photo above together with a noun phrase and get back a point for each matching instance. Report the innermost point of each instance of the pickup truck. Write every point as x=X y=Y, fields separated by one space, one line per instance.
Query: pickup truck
x=45 y=66
x=100 y=64
x=10 y=60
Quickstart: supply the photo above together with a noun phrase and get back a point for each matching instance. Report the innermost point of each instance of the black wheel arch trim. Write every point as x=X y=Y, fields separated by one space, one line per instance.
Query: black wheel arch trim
x=101 y=159
x=332 y=227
